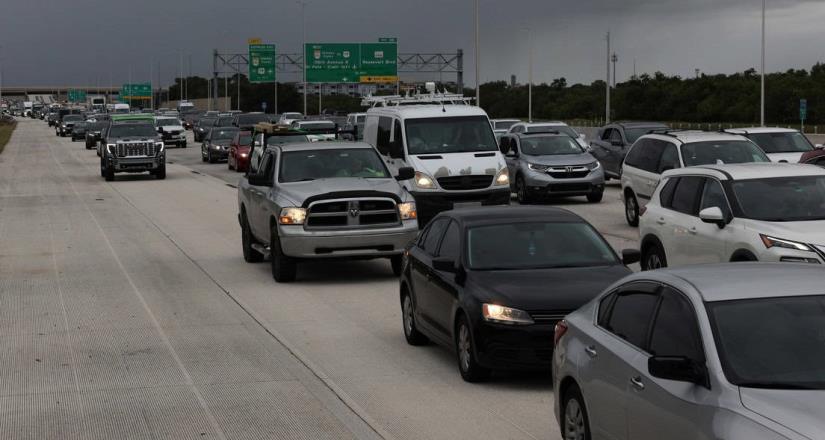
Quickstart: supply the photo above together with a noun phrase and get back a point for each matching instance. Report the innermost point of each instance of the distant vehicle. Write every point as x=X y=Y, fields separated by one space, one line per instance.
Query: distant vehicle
x=542 y=127
x=185 y=106
x=190 y=119
x=247 y=121
x=747 y=212
x=93 y=132
x=239 y=149
x=614 y=140
x=317 y=131
x=815 y=157
x=52 y=118
x=224 y=121
x=79 y=130
x=289 y=117
x=171 y=131
x=491 y=283
x=780 y=144
x=121 y=108
x=551 y=164
x=266 y=135
x=96 y=102
x=216 y=145
x=202 y=128
x=653 y=154
x=502 y=126
x=27 y=108
x=679 y=354
x=67 y=124
x=131 y=145
x=354 y=127
x=323 y=201
x=449 y=144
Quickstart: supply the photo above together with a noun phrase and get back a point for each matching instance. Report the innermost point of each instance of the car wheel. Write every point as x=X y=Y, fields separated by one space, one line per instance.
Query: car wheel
x=229 y=163
x=108 y=173
x=575 y=424
x=631 y=210
x=411 y=333
x=595 y=197
x=203 y=155
x=468 y=365
x=250 y=255
x=522 y=192
x=653 y=257
x=209 y=157
x=160 y=173
x=283 y=267
x=183 y=145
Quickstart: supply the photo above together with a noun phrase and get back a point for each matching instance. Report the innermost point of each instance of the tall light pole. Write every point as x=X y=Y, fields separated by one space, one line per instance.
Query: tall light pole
x=614 y=59
x=304 y=47
x=762 y=108
x=1 y=74
x=478 y=79
x=530 y=75
x=607 y=84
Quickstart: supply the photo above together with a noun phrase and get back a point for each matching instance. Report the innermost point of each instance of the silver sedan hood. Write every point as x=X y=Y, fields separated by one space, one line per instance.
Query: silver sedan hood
x=801 y=411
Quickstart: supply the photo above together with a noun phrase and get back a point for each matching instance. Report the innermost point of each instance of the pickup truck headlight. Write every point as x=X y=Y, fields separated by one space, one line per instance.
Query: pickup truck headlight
x=771 y=242
x=407 y=211
x=292 y=216
x=109 y=148
x=503 y=177
x=505 y=315
x=423 y=181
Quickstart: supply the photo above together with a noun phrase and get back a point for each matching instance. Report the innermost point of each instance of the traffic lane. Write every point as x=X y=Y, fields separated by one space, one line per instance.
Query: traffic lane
x=344 y=317
x=111 y=331
x=190 y=157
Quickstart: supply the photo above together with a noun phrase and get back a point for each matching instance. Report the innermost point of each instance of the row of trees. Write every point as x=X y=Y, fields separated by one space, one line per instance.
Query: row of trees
x=721 y=98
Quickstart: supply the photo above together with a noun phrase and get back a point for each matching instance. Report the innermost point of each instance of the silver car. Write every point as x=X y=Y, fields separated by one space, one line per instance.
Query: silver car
x=733 y=351
x=551 y=164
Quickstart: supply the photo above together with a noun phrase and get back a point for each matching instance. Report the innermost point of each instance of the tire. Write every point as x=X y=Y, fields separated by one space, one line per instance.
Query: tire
x=743 y=257
x=250 y=255
x=522 y=192
x=108 y=173
x=653 y=257
x=229 y=164
x=183 y=145
x=203 y=157
x=411 y=333
x=160 y=173
x=631 y=210
x=595 y=197
x=209 y=157
x=396 y=262
x=284 y=268
x=575 y=424
x=468 y=365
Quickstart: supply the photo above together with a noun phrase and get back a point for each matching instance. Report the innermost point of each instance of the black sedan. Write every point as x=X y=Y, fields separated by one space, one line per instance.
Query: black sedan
x=491 y=283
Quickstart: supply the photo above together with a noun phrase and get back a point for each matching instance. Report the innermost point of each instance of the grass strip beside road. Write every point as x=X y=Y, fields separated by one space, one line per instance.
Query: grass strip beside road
x=5 y=134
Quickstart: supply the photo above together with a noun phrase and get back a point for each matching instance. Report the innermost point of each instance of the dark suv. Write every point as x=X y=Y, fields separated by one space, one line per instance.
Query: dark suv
x=131 y=145
x=614 y=140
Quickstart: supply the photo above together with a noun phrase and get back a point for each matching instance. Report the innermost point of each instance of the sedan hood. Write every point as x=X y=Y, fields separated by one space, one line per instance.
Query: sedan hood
x=798 y=410
x=785 y=157
x=546 y=289
x=458 y=164
x=561 y=159
x=301 y=191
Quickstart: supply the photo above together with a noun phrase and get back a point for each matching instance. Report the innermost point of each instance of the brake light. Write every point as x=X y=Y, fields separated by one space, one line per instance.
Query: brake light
x=560 y=330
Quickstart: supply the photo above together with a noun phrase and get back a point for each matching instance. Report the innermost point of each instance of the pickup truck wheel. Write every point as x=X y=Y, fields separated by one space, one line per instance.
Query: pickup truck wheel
x=160 y=173
x=108 y=173
x=395 y=262
x=250 y=255
x=209 y=157
x=283 y=267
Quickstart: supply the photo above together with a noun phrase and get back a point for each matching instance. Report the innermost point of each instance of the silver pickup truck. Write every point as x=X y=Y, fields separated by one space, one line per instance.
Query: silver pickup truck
x=323 y=200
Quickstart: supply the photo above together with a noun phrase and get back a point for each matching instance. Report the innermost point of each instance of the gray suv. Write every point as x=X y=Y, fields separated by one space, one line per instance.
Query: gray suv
x=323 y=200
x=551 y=164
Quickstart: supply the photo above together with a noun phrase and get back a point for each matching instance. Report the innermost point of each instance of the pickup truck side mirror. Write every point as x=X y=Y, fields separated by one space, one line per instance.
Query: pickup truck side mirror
x=257 y=180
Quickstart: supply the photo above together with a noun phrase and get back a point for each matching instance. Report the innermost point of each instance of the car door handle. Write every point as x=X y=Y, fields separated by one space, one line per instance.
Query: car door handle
x=693 y=231
x=591 y=351
x=637 y=383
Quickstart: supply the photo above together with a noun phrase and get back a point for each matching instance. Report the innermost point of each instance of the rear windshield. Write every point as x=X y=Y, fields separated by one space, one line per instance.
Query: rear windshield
x=287 y=139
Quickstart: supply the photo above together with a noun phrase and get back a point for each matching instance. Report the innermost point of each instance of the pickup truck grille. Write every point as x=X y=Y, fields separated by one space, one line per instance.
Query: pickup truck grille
x=456 y=183
x=132 y=149
x=571 y=172
x=352 y=214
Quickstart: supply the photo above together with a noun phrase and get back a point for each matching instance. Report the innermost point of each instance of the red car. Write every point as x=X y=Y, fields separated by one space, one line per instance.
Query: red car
x=238 y=158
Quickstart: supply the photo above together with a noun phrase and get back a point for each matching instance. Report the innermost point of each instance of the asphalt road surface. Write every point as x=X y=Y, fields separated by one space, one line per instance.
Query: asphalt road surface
x=127 y=311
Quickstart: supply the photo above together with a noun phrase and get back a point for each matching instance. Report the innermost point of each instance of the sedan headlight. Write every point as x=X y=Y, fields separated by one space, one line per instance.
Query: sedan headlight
x=537 y=167
x=423 y=181
x=771 y=242
x=593 y=166
x=503 y=177
x=505 y=315
x=407 y=211
x=292 y=216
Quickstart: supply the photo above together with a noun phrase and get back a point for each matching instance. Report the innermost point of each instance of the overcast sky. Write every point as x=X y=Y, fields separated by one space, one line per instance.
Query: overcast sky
x=80 y=42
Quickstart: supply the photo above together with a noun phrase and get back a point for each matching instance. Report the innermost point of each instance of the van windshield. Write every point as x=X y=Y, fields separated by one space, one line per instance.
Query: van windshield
x=450 y=135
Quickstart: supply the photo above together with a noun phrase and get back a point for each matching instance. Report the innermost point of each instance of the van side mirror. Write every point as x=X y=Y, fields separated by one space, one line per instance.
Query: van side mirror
x=713 y=215
x=405 y=173
x=678 y=368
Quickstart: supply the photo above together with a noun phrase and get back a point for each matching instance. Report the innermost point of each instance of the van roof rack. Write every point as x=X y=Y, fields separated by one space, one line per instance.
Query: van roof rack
x=432 y=98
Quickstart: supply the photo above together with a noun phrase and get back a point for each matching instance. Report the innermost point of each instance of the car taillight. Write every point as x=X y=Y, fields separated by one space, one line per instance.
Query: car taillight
x=560 y=330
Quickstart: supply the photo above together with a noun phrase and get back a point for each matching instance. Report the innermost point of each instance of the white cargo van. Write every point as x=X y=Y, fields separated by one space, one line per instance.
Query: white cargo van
x=448 y=142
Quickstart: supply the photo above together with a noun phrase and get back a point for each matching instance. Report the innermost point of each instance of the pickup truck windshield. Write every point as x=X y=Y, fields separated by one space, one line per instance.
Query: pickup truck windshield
x=132 y=130
x=457 y=134
x=301 y=166
x=167 y=122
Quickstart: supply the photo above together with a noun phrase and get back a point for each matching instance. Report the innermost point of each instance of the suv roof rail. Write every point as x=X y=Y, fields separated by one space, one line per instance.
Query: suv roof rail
x=442 y=98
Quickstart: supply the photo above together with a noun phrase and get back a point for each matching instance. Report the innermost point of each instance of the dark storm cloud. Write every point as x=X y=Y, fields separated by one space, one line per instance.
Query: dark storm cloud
x=91 y=41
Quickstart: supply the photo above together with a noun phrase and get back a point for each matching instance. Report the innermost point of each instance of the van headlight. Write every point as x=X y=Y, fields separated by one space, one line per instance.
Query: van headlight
x=505 y=315
x=503 y=177
x=423 y=181
x=407 y=211
x=292 y=216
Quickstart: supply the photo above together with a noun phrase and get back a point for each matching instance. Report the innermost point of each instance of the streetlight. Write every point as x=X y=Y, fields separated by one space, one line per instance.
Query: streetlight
x=478 y=79
x=530 y=76
x=607 y=84
x=303 y=4
x=614 y=59
x=762 y=108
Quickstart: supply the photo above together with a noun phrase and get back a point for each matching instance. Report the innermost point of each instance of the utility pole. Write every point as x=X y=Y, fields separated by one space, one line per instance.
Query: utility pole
x=227 y=104
x=530 y=76
x=607 y=84
x=762 y=108
x=478 y=79
x=188 y=76
x=151 y=86
x=130 y=87
x=238 y=77
x=614 y=59
x=304 y=48
x=1 y=74
x=180 y=74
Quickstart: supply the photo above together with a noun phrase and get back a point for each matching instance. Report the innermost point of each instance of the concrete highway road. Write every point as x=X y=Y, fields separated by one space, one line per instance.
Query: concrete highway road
x=127 y=311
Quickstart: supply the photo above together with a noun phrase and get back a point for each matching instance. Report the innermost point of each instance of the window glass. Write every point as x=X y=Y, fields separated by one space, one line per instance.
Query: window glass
x=666 y=195
x=615 y=136
x=383 y=135
x=792 y=142
x=397 y=144
x=604 y=308
x=630 y=317
x=453 y=134
x=450 y=244
x=647 y=153
x=714 y=196
x=633 y=157
x=308 y=165
x=434 y=233
x=722 y=152
x=782 y=199
x=505 y=144
x=606 y=134
x=675 y=332
x=669 y=159
x=549 y=146
x=687 y=194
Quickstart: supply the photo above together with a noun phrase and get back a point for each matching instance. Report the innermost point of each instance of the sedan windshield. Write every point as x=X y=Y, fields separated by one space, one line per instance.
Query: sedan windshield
x=450 y=135
x=782 y=199
x=318 y=127
x=299 y=166
x=787 y=354
x=537 y=245
x=225 y=121
x=781 y=142
x=223 y=134
x=549 y=146
x=132 y=130
x=722 y=152
x=245 y=139
x=206 y=122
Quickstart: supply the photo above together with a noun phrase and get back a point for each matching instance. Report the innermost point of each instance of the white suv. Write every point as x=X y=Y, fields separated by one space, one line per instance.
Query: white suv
x=745 y=212
x=781 y=144
x=653 y=154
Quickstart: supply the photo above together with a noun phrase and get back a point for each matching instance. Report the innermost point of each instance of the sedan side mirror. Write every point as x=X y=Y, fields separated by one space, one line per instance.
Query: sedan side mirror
x=678 y=368
x=713 y=215
x=631 y=256
x=445 y=265
x=405 y=173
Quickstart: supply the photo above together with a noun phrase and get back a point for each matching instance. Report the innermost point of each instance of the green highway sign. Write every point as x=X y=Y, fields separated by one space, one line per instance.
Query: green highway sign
x=76 y=95
x=135 y=91
x=351 y=62
x=262 y=59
